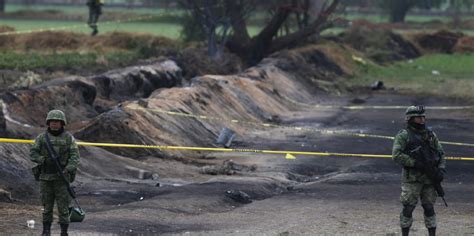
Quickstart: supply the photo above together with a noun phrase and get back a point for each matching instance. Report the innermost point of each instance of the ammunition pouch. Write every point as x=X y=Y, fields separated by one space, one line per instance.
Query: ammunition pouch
x=36 y=172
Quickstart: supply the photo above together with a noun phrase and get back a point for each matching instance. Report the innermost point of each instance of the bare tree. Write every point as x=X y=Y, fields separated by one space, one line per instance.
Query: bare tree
x=215 y=20
x=253 y=49
x=229 y=17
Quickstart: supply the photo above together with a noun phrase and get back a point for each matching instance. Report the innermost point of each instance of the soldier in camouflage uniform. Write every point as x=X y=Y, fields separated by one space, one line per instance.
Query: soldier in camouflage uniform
x=52 y=186
x=415 y=183
x=95 y=10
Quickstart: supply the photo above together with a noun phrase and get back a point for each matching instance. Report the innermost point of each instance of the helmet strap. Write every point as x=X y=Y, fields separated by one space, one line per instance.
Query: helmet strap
x=415 y=125
x=56 y=132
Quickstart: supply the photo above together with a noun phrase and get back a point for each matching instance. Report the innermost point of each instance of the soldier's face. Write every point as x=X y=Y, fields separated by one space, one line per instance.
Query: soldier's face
x=419 y=119
x=55 y=124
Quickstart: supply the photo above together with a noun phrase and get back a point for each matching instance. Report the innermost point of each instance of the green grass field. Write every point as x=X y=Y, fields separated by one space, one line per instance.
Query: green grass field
x=443 y=74
x=383 y=18
x=169 y=30
x=162 y=29
x=82 y=9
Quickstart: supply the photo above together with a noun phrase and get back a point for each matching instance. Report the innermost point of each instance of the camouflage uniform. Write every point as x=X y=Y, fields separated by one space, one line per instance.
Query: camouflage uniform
x=95 y=10
x=415 y=184
x=52 y=186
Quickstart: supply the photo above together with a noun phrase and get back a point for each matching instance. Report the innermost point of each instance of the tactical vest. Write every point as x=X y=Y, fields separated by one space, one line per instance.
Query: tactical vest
x=62 y=148
x=425 y=139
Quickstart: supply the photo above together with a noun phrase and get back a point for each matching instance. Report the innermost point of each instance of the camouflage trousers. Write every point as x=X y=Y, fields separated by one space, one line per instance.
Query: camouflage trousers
x=411 y=192
x=55 y=191
x=94 y=14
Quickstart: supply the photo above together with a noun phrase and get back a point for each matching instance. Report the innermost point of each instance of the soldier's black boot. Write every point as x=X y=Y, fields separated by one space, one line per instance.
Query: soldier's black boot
x=64 y=229
x=46 y=229
x=432 y=231
x=405 y=231
x=95 y=31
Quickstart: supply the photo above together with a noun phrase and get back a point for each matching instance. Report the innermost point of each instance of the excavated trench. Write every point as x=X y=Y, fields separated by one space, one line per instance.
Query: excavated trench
x=210 y=192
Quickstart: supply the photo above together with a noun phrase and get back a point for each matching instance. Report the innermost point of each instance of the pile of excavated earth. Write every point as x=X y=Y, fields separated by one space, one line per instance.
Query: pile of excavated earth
x=155 y=104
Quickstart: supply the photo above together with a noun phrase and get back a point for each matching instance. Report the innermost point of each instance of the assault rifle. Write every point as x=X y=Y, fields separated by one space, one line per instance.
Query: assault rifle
x=76 y=214
x=430 y=168
x=54 y=156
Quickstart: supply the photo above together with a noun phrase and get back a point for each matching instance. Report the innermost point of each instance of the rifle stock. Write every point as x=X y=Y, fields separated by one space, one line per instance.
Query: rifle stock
x=430 y=169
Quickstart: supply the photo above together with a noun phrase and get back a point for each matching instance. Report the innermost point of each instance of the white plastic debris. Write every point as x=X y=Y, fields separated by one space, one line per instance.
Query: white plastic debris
x=30 y=224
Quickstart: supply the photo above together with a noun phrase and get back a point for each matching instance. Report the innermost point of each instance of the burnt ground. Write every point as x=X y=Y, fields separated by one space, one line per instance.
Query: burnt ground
x=307 y=196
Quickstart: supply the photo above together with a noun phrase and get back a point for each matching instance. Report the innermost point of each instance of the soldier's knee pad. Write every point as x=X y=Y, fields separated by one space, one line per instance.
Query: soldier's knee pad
x=429 y=209
x=408 y=210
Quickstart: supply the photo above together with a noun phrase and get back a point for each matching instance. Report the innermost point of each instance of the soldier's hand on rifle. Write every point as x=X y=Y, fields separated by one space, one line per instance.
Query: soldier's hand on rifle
x=440 y=175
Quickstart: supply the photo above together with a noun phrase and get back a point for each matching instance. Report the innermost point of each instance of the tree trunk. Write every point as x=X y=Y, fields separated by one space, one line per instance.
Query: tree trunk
x=2 y=6
x=212 y=49
x=398 y=11
x=313 y=28
x=456 y=11
x=260 y=45
x=236 y=13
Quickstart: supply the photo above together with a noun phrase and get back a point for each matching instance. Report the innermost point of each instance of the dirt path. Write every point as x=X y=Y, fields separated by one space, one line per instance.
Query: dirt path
x=306 y=196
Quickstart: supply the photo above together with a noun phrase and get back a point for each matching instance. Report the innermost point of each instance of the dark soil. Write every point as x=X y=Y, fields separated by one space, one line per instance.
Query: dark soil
x=309 y=195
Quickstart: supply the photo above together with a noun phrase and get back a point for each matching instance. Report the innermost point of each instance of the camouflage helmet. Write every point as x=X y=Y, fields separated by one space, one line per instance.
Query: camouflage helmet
x=56 y=115
x=414 y=111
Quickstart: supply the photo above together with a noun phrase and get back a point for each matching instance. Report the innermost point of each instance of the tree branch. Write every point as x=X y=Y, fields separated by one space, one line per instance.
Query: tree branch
x=313 y=28
x=274 y=25
x=235 y=9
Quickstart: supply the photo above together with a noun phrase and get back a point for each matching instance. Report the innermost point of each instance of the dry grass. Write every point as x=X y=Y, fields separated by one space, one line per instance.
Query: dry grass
x=59 y=41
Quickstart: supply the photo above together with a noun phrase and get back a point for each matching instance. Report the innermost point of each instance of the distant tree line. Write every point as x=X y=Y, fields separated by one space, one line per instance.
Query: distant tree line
x=398 y=9
x=144 y=3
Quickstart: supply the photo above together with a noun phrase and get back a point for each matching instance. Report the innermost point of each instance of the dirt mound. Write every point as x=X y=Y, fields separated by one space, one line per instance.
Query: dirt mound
x=74 y=95
x=84 y=98
x=195 y=62
x=70 y=41
x=53 y=40
x=6 y=40
x=6 y=28
x=464 y=45
x=383 y=46
x=326 y=61
x=138 y=81
x=16 y=176
x=255 y=95
x=3 y=125
x=125 y=40
x=468 y=24
x=441 y=41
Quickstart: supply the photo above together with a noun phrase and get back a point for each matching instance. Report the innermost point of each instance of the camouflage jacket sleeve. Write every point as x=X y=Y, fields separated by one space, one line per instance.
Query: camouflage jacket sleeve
x=439 y=148
x=35 y=150
x=74 y=156
x=398 y=154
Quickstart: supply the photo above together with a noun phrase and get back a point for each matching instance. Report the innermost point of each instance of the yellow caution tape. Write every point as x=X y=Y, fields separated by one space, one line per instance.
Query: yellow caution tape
x=288 y=154
x=321 y=131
